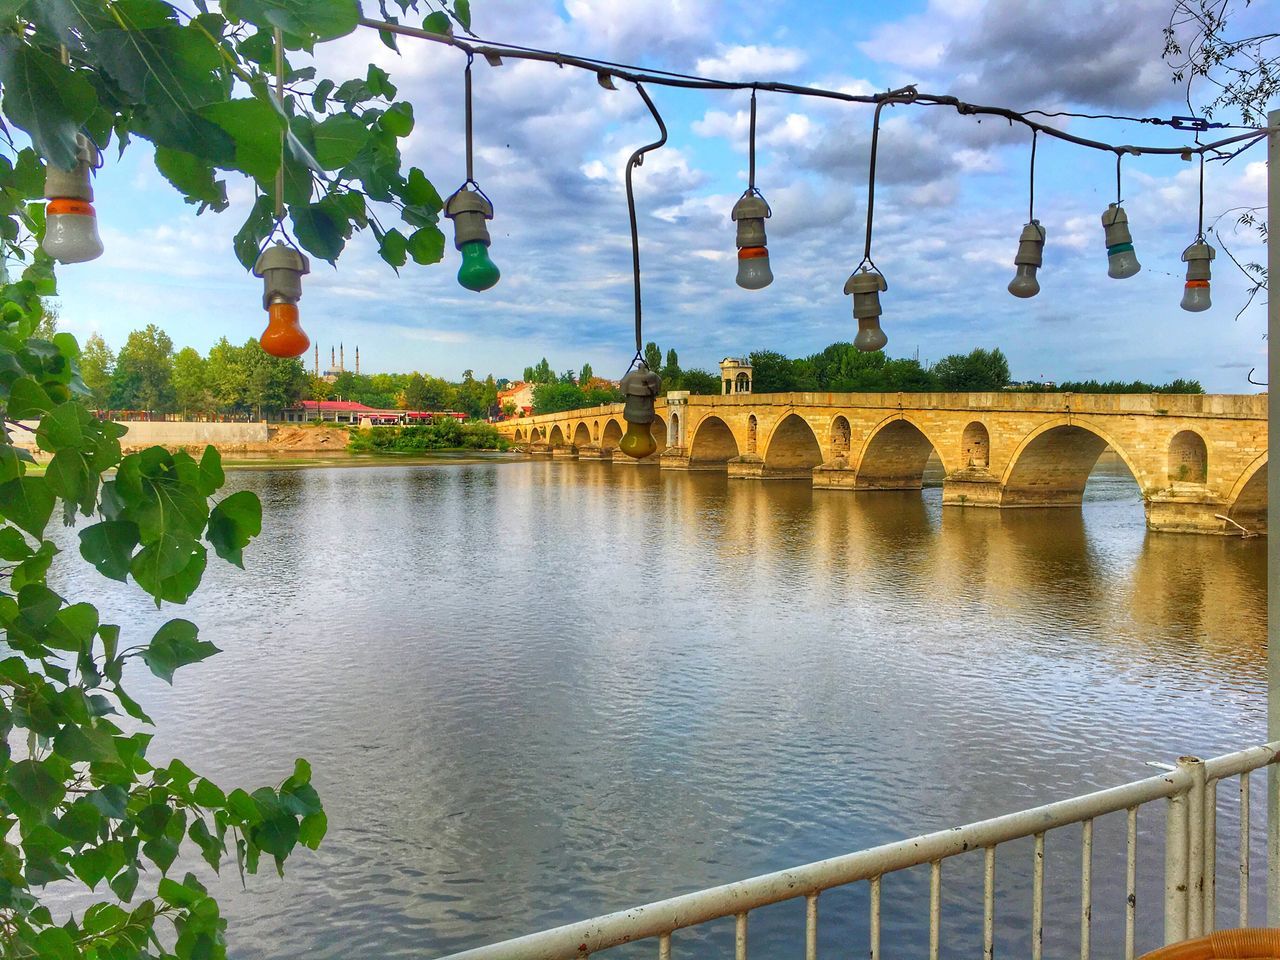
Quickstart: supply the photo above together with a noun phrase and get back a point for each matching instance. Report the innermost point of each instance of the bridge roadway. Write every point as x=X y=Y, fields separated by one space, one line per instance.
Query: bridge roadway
x=1196 y=458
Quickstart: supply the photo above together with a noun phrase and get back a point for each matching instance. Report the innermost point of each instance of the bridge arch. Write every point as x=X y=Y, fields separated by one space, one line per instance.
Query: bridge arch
x=535 y=435
x=612 y=434
x=792 y=448
x=519 y=435
x=713 y=443
x=595 y=431
x=753 y=433
x=1247 y=503
x=1188 y=458
x=1052 y=464
x=556 y=437
x=840 y=437
x=659 y=432
x=895 y=455
x=975 y=446
x=675 y=429
x=581 y=435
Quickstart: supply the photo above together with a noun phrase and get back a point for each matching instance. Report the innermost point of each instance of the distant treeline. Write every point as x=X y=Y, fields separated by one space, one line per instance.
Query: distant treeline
x=1114 y=386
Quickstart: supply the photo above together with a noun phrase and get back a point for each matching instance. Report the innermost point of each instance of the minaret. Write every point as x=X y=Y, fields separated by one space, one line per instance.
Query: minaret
x=342 y=360
x=357 y=361
x=332 y=363
x=317 y=350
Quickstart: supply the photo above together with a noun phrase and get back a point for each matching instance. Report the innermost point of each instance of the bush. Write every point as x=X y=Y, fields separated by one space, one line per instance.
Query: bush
x=447 y=435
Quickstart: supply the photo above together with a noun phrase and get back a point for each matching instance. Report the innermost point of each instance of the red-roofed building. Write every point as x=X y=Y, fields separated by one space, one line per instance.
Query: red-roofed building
x=348 y=411
x=520 y=396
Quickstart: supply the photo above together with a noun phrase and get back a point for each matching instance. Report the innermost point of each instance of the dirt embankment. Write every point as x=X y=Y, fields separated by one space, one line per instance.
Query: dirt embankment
x=307 y=439
x=279 y=439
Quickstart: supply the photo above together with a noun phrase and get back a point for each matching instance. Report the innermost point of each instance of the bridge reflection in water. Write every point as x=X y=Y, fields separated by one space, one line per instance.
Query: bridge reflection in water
x=1199 y=460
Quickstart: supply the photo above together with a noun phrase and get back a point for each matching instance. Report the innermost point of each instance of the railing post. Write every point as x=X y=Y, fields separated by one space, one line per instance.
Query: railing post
x=1273 y=519
x=1195 y=845
x=1175 y=869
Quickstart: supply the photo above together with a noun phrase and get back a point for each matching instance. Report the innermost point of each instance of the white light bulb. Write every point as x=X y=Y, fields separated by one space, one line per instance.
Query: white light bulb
x=1122 y=264
x=1024 y=283
x=72 y=237
x=1196 y=299
x=754 y=273
x=870 y=337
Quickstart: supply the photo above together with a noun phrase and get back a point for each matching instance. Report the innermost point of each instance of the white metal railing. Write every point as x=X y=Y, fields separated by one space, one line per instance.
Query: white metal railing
x=1190 y=789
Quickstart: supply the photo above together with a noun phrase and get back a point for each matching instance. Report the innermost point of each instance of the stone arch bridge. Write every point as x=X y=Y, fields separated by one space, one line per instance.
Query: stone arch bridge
x=1200 y=461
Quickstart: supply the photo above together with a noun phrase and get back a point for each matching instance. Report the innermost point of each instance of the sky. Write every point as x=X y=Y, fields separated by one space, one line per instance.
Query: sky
x=550 y=147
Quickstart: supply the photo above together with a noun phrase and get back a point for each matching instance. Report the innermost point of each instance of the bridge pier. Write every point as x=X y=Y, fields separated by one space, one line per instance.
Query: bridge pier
x=593 y=453
x=674 y=458
x=539 y=450
x=621 y=459
x=565 y=453
x=971 y=487
x=749 y=466
x=1176 y=511
x=835 y=475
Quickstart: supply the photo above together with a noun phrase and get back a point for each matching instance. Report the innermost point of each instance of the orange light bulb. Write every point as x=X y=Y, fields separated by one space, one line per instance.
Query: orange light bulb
x=284 y=336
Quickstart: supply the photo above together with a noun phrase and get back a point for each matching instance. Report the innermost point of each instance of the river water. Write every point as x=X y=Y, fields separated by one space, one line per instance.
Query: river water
x=535 y=691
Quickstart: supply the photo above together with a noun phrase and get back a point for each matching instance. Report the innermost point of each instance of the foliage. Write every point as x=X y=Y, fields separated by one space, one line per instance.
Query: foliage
x=977 y=370
x=653 y=356
x=539 y=373
x=191 y=383
x=97 y=362
x=143 y=377
x=699 y=382
x=1241 y=70
x=1115 y=386
x=446 y=435
x=554 y=397
x=79 y=798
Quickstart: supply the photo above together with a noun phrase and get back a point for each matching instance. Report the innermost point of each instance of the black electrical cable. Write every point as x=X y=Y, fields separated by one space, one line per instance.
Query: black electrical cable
x=1031 y=203
x=636 y=159
x=751 y=146
x=471 y=176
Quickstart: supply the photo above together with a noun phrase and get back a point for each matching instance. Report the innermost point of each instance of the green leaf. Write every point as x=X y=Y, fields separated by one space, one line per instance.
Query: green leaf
x=338 y=139
x=438 y=23
x=318 y=232
x=419 y=191
x=398 y=119
x=306 y=20
x=233 y=523
x=462 y=10
x=13 y=546
x=27 y=399
x=28 y=503
x=393 y=248
x=426 y=245
x=312 y=829
x=211 y=475
x=34 y=785
x=86 y=744
x=207 y=794
x=45 y=98
x=277 y=836
x=175 y=645
x=109 y=547
x=321 y=94
x=10 y=462
x=124 y=884
x=174 y=67
x=97 y=863
x=255 y=126
x=195 y=179
x=54 y=943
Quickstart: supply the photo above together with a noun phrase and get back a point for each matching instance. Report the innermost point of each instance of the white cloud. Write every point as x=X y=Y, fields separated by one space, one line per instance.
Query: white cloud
x=750 y=62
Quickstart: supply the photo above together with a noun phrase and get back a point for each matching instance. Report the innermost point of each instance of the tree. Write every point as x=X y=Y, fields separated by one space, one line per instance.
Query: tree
x=143 y=377
x=227 y=375
x=652 y=356
x=700 y=383
x=554 y=397
x=96 y=365
x=191 y=382
x=415 y=393
x=670 y=372
x=586 y=374
x=83 y=801
x=771 y=372
x=539 y=373
x=272 y=383
x=977 y=370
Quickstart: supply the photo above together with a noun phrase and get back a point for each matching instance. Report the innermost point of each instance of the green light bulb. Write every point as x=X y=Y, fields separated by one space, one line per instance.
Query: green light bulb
x=477 y=272
x=638 y=441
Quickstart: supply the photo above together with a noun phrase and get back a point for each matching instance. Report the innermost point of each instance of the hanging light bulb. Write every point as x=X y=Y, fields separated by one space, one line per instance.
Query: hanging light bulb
x=865 y=285
x=71 y=226
x=1122 y=262
x=282 y=268
x=1028 y=259
x=469 y=209
x=753 y=252
x=1197 y=257
x=640 y=387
